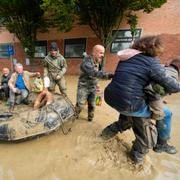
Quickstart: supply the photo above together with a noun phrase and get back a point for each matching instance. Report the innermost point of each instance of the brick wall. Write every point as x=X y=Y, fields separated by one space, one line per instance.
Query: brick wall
x=164 y=21
x=171 y=50
x=171 y=43
x=171 y=47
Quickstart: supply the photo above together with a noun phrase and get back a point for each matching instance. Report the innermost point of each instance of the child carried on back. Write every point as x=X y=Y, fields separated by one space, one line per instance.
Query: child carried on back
x=154 y=91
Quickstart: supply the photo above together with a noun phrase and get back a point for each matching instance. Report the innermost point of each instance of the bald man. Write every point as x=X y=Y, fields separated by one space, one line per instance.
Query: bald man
x=88 y=79
x=4 y=88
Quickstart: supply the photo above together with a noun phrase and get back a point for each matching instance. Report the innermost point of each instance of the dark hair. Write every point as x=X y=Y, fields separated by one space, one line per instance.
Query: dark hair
x=150 y=45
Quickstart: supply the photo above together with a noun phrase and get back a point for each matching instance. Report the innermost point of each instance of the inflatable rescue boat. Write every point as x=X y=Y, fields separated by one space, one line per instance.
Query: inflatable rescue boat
x=26 y=122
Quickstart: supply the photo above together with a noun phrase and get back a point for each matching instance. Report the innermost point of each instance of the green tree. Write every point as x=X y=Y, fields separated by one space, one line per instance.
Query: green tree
x=145 y=5
x=60 y=13
x=105 y=15
x=24 y=18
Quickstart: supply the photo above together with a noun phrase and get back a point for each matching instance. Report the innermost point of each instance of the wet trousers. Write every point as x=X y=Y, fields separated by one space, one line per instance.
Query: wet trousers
x=22 y=95
x=84 y=95
x=61 y=84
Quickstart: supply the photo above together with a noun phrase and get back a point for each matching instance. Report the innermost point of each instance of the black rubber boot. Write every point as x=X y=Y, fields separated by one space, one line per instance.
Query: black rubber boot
x=91 y=110
x=138 y=152
x=90 y=115
x=136 y=157
x=121 y=125
x=110 y=131
x=163 y=146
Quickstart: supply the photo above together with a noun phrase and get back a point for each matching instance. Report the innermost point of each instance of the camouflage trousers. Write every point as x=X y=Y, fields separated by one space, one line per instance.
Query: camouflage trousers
x=86 y=95
x=61 y=84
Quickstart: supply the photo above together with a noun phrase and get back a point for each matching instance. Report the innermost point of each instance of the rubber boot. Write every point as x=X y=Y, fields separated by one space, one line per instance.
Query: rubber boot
x=121 y=125
x=138 y=152
x=90 y=115
x=110 y=131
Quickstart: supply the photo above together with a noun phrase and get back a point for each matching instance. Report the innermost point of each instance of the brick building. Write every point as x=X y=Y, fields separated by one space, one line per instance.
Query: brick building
x=164 y=21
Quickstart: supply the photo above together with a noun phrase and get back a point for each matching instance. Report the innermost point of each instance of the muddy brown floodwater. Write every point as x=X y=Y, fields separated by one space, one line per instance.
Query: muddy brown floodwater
x=83 y=155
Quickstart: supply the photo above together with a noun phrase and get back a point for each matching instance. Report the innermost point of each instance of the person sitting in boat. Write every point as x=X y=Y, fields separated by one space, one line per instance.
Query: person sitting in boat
x=44 y=97
x=19 y=84
x=4 y=88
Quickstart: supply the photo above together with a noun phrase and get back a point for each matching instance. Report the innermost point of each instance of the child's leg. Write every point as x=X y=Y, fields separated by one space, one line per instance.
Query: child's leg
x=156 y=108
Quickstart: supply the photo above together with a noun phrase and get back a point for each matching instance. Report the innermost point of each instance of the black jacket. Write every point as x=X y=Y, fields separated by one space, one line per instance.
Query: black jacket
x=4 y=81
x=126 y=90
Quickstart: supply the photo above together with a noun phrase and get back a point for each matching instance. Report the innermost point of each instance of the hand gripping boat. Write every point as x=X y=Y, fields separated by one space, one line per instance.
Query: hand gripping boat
x=29 y=123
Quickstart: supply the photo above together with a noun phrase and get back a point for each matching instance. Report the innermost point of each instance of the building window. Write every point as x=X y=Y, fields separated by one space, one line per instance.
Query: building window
x=40 y=49
x=4 y=50
x=123 y=39
x=74 y=48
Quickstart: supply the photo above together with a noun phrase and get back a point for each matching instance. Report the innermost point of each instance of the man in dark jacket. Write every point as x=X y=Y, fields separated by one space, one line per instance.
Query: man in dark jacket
x=4 y=88
x=126 y=93
x=88 y=79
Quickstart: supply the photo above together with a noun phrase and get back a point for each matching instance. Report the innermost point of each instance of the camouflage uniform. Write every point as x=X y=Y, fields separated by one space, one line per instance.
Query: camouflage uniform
x=54 y=67
x=87 y=85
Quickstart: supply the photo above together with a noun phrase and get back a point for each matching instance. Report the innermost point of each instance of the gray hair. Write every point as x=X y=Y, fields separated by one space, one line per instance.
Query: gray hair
x=18 y=65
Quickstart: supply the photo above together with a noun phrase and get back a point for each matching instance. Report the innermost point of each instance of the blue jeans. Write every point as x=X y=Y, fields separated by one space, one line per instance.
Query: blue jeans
x=163 y=126
x=144 y=113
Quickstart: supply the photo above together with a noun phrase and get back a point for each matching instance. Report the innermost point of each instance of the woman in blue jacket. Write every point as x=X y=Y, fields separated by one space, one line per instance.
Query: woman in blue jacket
x=126 y=94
